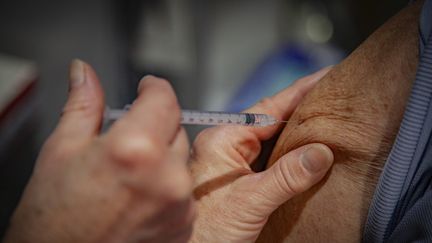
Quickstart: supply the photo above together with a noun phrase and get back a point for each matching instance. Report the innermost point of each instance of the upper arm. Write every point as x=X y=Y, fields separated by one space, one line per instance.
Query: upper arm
x=356 y=110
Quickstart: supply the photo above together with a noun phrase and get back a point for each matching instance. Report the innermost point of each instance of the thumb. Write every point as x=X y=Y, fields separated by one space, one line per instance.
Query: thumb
x=292 y=174
x=82 y=114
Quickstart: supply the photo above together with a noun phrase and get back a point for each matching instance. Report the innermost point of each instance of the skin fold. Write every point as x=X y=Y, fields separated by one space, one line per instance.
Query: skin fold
x=356 y=110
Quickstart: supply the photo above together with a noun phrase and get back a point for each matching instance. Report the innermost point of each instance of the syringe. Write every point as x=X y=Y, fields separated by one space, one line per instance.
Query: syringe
x=209 y=117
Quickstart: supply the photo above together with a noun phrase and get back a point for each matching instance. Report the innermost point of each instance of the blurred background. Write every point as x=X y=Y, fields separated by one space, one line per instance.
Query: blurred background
x=218 y=55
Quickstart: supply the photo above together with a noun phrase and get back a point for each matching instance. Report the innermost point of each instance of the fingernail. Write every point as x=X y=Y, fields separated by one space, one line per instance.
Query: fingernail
x=77 y=73
x=316 y=158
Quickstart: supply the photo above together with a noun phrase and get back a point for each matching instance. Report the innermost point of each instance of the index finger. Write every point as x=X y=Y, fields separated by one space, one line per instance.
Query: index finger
x=283 y=104
x=155 y=113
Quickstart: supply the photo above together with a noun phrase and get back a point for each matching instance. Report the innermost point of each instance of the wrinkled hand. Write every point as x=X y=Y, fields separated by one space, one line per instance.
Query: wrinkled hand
x=233 y=202
x=128 y=185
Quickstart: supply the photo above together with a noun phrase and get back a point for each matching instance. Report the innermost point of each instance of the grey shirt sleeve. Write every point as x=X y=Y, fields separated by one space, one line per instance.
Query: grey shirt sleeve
x=425 y=24
x=401 y=208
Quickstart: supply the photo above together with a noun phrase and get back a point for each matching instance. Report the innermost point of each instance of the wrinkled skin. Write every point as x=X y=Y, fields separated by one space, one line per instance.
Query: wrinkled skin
x=356 y=110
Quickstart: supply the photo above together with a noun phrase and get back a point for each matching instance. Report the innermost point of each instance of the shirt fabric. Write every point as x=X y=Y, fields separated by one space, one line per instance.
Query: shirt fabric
x=401 y=208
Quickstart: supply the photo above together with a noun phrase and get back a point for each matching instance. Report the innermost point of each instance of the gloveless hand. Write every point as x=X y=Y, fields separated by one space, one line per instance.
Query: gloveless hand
x=233 y=202
x=128 y=185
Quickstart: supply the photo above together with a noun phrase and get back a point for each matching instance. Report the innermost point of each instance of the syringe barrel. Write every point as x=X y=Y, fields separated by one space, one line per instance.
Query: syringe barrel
x=209 y=117
x=226 y=118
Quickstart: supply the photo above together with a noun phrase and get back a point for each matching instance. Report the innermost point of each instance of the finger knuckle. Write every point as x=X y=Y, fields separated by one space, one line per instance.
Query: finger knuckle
x=289 y=180
x=203 y=137
x=134 y=149
x=209 y=139
x=82 y=106
x=248 y=147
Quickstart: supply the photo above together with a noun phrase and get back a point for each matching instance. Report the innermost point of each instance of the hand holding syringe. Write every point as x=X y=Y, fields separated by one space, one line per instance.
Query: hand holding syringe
x=209 y=117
